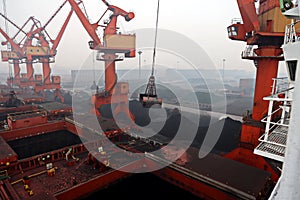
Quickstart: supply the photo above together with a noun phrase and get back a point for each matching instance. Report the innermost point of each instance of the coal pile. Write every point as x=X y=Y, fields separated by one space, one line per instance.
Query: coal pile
x=229 y=128
x=68 y=98
x=229 y=137
x=140 y=113
x=44 y=143
x=66 y=95
x=238 y=106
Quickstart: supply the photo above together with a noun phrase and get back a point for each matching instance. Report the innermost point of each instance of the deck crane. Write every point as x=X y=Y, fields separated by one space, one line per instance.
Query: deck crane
x=26 y=52
x=113 y=43
x=264 y=29
x=149 y=98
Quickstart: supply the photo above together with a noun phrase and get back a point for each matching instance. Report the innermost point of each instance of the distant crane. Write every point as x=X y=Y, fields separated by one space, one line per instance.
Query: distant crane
x=29 y=53
x=113 y=43
x=13 y=54
x=7 y=30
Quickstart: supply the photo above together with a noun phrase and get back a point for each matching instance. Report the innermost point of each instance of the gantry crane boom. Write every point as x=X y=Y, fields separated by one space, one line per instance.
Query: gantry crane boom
x=111 y=27
x=58 y=38
x=248 y=13
x=90 y=28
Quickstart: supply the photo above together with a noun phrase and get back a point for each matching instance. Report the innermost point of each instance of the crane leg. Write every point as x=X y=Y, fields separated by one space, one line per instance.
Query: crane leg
x=30 y=72
x=16 y=73
x=42 y=93
x=119 y=99
x=58 y=94
x=123 y=108
x=46 y=72
x=116 y=94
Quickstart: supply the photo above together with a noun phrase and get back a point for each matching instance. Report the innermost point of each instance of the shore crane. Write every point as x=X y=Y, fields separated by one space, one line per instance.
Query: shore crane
x=265 y=29
x=115 y=93
x=43 y=52
x=15 y=54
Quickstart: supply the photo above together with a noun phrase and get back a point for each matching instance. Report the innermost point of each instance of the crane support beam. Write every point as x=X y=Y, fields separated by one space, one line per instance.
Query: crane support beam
x=46 y=72
x=17 y=71
x=30 y=72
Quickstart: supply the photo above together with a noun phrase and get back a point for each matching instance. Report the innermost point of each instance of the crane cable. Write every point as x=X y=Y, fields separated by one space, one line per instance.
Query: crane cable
x=7 y=32
x=5 y=14
x=155 y=39
x=151 y=89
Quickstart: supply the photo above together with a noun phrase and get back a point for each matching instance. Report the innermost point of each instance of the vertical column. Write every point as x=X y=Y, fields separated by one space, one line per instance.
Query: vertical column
x=46 y=72
x=267 y=69
x=30 y=71
x=16 y=72
x=110 y=72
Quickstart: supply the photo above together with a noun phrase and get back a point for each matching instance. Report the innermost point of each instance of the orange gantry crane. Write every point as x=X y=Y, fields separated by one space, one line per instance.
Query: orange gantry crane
x=263 y=31
x=15 y=54
x=115 y=94
x=44 y=51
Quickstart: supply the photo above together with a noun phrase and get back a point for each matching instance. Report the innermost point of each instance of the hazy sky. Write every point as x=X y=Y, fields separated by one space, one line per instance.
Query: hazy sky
x=204 y=22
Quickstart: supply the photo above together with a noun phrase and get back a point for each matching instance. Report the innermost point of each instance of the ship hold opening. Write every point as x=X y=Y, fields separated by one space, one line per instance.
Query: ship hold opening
x=47 y=142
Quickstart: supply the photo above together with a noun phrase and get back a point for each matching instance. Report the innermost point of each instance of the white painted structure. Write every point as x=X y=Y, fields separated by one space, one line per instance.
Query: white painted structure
x=289 y=183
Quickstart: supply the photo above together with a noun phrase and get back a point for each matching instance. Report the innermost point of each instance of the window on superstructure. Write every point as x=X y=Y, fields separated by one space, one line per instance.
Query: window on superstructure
x=232 y=31
x=292 y=66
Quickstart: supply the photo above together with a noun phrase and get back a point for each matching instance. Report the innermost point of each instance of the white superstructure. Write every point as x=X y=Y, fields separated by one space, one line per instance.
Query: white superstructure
x=285 y=142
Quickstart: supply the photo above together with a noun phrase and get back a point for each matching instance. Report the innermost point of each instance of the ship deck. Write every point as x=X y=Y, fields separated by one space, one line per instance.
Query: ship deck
x=226 y=178
x=69 y=176
x=232 y=174
x=64 y=178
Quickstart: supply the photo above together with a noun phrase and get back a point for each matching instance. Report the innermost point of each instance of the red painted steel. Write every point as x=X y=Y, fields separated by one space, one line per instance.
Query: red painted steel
x=32 y=131
x=100 y=182
x=266 y=58
x=109 y=56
